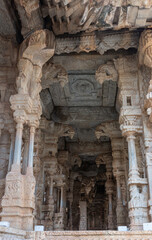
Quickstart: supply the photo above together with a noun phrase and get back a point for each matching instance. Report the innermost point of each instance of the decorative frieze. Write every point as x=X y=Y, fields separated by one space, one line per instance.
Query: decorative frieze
x=96 y=42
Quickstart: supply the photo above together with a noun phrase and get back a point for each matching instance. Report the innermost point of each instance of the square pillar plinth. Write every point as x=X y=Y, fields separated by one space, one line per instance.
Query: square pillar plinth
x=18 y=200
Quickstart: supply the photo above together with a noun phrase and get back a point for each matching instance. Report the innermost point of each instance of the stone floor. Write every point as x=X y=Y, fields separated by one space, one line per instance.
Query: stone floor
x=15 y=234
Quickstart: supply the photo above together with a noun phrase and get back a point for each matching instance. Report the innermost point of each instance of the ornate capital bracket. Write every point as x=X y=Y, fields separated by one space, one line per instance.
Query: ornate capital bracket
x=130 y=121
x=34 y=52
x=38 y=47
x=106 y=72
x=53 y=73
x=111 y=130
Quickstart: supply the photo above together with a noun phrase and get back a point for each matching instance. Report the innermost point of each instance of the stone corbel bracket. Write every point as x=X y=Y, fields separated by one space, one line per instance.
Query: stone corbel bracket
x=76 y=160
x=111 y=130
x=106 y=72
x=33 y=54
x=53 y=73
x=53 y=131
x=38 y=47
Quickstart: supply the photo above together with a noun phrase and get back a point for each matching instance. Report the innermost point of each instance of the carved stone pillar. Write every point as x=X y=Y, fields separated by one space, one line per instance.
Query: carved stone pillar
x=83 y=215
x=62 y=199
x=112 y=130
x=11 y=155
x=70 y=198
x=4 y=157
x=59 y=221
x=131 y=124
x=4 y=153
x=26 y=150
x=18 y=141
x=109 y=190
x=138 y=213
x=148 y=154
x=31 y=146
x=119 y=171
x=12 y=202
x=49 y=225
x=19 y=200
x=145 y=58
x=133 y=167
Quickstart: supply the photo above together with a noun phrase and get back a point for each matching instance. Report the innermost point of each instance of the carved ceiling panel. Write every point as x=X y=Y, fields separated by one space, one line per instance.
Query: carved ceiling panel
x=83 y=101
x=83 y=90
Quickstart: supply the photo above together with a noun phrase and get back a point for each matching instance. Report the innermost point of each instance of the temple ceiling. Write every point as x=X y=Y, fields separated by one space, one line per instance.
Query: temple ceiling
x=20 y=18
x=89 y=36
x=73 y=95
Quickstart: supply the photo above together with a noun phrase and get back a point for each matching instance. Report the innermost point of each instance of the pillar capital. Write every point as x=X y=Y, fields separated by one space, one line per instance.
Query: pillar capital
x=131 y=135
x=33 y=125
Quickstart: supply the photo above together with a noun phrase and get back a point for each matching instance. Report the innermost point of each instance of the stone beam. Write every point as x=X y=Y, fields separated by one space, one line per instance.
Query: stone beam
x=99 y=42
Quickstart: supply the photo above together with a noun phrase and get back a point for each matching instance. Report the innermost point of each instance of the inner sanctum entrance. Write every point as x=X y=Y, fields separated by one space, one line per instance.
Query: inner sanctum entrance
x=89 y=207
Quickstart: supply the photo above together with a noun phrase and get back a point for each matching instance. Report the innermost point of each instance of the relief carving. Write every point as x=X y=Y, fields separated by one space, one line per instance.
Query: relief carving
x=106 y=72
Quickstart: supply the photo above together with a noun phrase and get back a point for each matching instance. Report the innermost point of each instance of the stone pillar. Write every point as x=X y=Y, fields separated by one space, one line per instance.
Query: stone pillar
x=59 y=221
x=70 y=198
x=4 y=157
x=11 y=155
x=25 y=154
x=31 y=146
x=4 y=153
x=133 y=168
x=62 y=204
x=112 y=130
x=148 y=155
x=120 y=209
x=19 y=200
x=138 y=211
x=18 y=142
x=12 y=202
x=145 y=58
x=50 y=223
x=83 y=215
x=109 y=190
x=118 y=171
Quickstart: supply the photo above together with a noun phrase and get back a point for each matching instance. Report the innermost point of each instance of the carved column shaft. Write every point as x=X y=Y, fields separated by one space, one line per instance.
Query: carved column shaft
x=51 y=187
x=25 y=155
x=11 y=155
x=133 y=167
x=119 y=196
x=31 y=147
x=18 y=142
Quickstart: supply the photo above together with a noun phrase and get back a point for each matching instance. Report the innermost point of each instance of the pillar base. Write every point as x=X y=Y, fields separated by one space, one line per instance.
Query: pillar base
x=121 y=215
x=138 y=216
x=110 y=222
x=18 y=200
x=59 y=221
